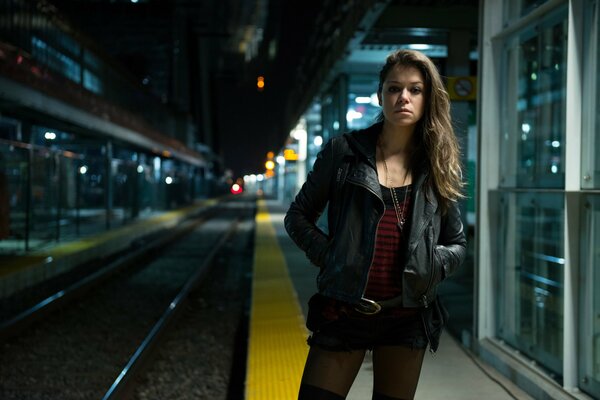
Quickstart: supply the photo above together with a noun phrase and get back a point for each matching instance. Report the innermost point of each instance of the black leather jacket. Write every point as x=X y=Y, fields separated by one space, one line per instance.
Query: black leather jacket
x=344 y=177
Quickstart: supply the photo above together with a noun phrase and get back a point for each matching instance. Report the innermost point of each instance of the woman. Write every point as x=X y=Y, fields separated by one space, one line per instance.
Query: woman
x=394 y=233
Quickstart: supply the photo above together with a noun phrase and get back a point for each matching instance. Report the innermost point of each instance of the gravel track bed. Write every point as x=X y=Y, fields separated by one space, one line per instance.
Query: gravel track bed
x=196 y=359
x=78 y=351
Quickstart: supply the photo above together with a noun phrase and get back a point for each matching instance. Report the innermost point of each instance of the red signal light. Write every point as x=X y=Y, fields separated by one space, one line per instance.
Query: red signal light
x=236 y=189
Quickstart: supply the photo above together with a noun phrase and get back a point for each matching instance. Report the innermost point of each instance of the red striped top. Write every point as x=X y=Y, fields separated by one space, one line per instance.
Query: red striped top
x=385 y=274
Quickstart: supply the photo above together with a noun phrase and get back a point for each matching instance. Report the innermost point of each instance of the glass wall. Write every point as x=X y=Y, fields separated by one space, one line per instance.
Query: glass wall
x=529 y=254
x=589 y=346
x=591 y=122
x=530 y=279
x=59 y=185
x=533 y=106
x=589 y=301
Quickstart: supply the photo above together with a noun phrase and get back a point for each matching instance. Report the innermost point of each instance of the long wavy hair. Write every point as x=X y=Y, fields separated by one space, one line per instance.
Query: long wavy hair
x=434 y=134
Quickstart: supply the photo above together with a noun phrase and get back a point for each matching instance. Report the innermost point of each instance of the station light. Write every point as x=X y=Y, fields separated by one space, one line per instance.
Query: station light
x=270 y=165
x=260 y=83
x=168 y=180
x=236 y=189
x=290 y=155
x=270 y=155
x=49 y=135
x=83 y=169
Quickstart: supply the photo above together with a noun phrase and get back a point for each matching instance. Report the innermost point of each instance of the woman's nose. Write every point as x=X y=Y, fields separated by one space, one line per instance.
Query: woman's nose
x=404 y=96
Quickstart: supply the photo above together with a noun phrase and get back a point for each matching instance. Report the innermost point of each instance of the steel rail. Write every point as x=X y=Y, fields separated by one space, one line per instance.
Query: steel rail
x=15 y=324
x=122 y=386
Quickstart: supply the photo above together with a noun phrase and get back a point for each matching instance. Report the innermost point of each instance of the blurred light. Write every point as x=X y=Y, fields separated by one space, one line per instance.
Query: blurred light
x=269 y=165
x=419 y=46
x=252 y=178
x=299 y=134
x=134 y=1
x=525 y=127
x=270 y=155
x=351 y=115
x=236 y=189
x=166 y=153
x=555 y=143
x=554 y=169
x=318 y=140
x=246 y=178
x=140 y=169
x=260 y=177
x=260 y=83
x=533 y=76
x=362 y=100
x=290 y=155
x=168 y=180
x=336 y=125
x=50 y=135
x=280 y=160
x=374 y=100
x=82 y=169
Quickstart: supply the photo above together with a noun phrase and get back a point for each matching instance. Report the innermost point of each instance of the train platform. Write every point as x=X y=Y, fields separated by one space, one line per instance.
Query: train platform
x=283 y=282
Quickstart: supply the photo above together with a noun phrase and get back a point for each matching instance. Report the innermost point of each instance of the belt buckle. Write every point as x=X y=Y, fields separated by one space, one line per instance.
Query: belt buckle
x=367 y=306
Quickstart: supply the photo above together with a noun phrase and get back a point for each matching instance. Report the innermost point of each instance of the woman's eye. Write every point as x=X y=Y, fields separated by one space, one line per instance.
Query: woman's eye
x=415 y=90
x=393 y=89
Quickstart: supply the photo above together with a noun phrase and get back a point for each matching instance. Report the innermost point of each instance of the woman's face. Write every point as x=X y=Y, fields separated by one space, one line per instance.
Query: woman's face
x=403 y=96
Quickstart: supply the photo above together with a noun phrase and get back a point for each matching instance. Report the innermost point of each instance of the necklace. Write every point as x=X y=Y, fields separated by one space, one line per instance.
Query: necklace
x=399 y=212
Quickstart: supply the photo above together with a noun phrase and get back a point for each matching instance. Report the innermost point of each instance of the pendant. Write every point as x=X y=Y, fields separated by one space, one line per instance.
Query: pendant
x=401 y=224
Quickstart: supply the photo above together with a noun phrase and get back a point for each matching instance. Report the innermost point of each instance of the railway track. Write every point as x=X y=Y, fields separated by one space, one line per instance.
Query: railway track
x=93 y=342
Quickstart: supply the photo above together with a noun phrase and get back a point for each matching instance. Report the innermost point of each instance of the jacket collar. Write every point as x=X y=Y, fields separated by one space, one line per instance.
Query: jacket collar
x=364 y=142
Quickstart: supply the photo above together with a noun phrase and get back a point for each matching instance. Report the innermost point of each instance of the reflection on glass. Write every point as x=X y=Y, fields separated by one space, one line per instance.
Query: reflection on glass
x=514 y=9
x=533 y=123
x=591 y=115
x=590 y=298
x=530 y=275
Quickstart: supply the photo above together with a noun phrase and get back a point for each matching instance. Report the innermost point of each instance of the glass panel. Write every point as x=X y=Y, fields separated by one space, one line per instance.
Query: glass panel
x=591 y=115
x=91 y=189
x=44 y=221
x=13 y=197
x=530 y=275
x=590 y=298
x=533 y=106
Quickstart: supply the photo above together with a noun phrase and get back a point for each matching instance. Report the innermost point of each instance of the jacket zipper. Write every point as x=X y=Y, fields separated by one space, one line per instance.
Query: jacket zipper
x=427 y=334
x=431 y=276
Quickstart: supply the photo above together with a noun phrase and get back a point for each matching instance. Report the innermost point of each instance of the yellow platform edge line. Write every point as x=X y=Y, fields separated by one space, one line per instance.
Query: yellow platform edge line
x=277 y=346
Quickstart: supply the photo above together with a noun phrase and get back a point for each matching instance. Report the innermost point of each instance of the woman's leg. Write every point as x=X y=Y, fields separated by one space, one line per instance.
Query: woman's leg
x=329 y=373
x=396 y=371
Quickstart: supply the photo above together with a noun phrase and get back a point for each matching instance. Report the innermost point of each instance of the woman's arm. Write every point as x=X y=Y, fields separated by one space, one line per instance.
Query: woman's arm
x=300 y=220
x=451 y=250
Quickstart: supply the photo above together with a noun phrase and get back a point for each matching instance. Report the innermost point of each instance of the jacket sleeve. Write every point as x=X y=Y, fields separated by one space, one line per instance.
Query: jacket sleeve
x=451 y=250
x=300 y=220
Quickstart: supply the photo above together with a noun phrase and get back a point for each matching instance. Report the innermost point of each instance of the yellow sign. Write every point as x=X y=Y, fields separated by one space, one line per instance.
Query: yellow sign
x=462 y=87
x=290 y=155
